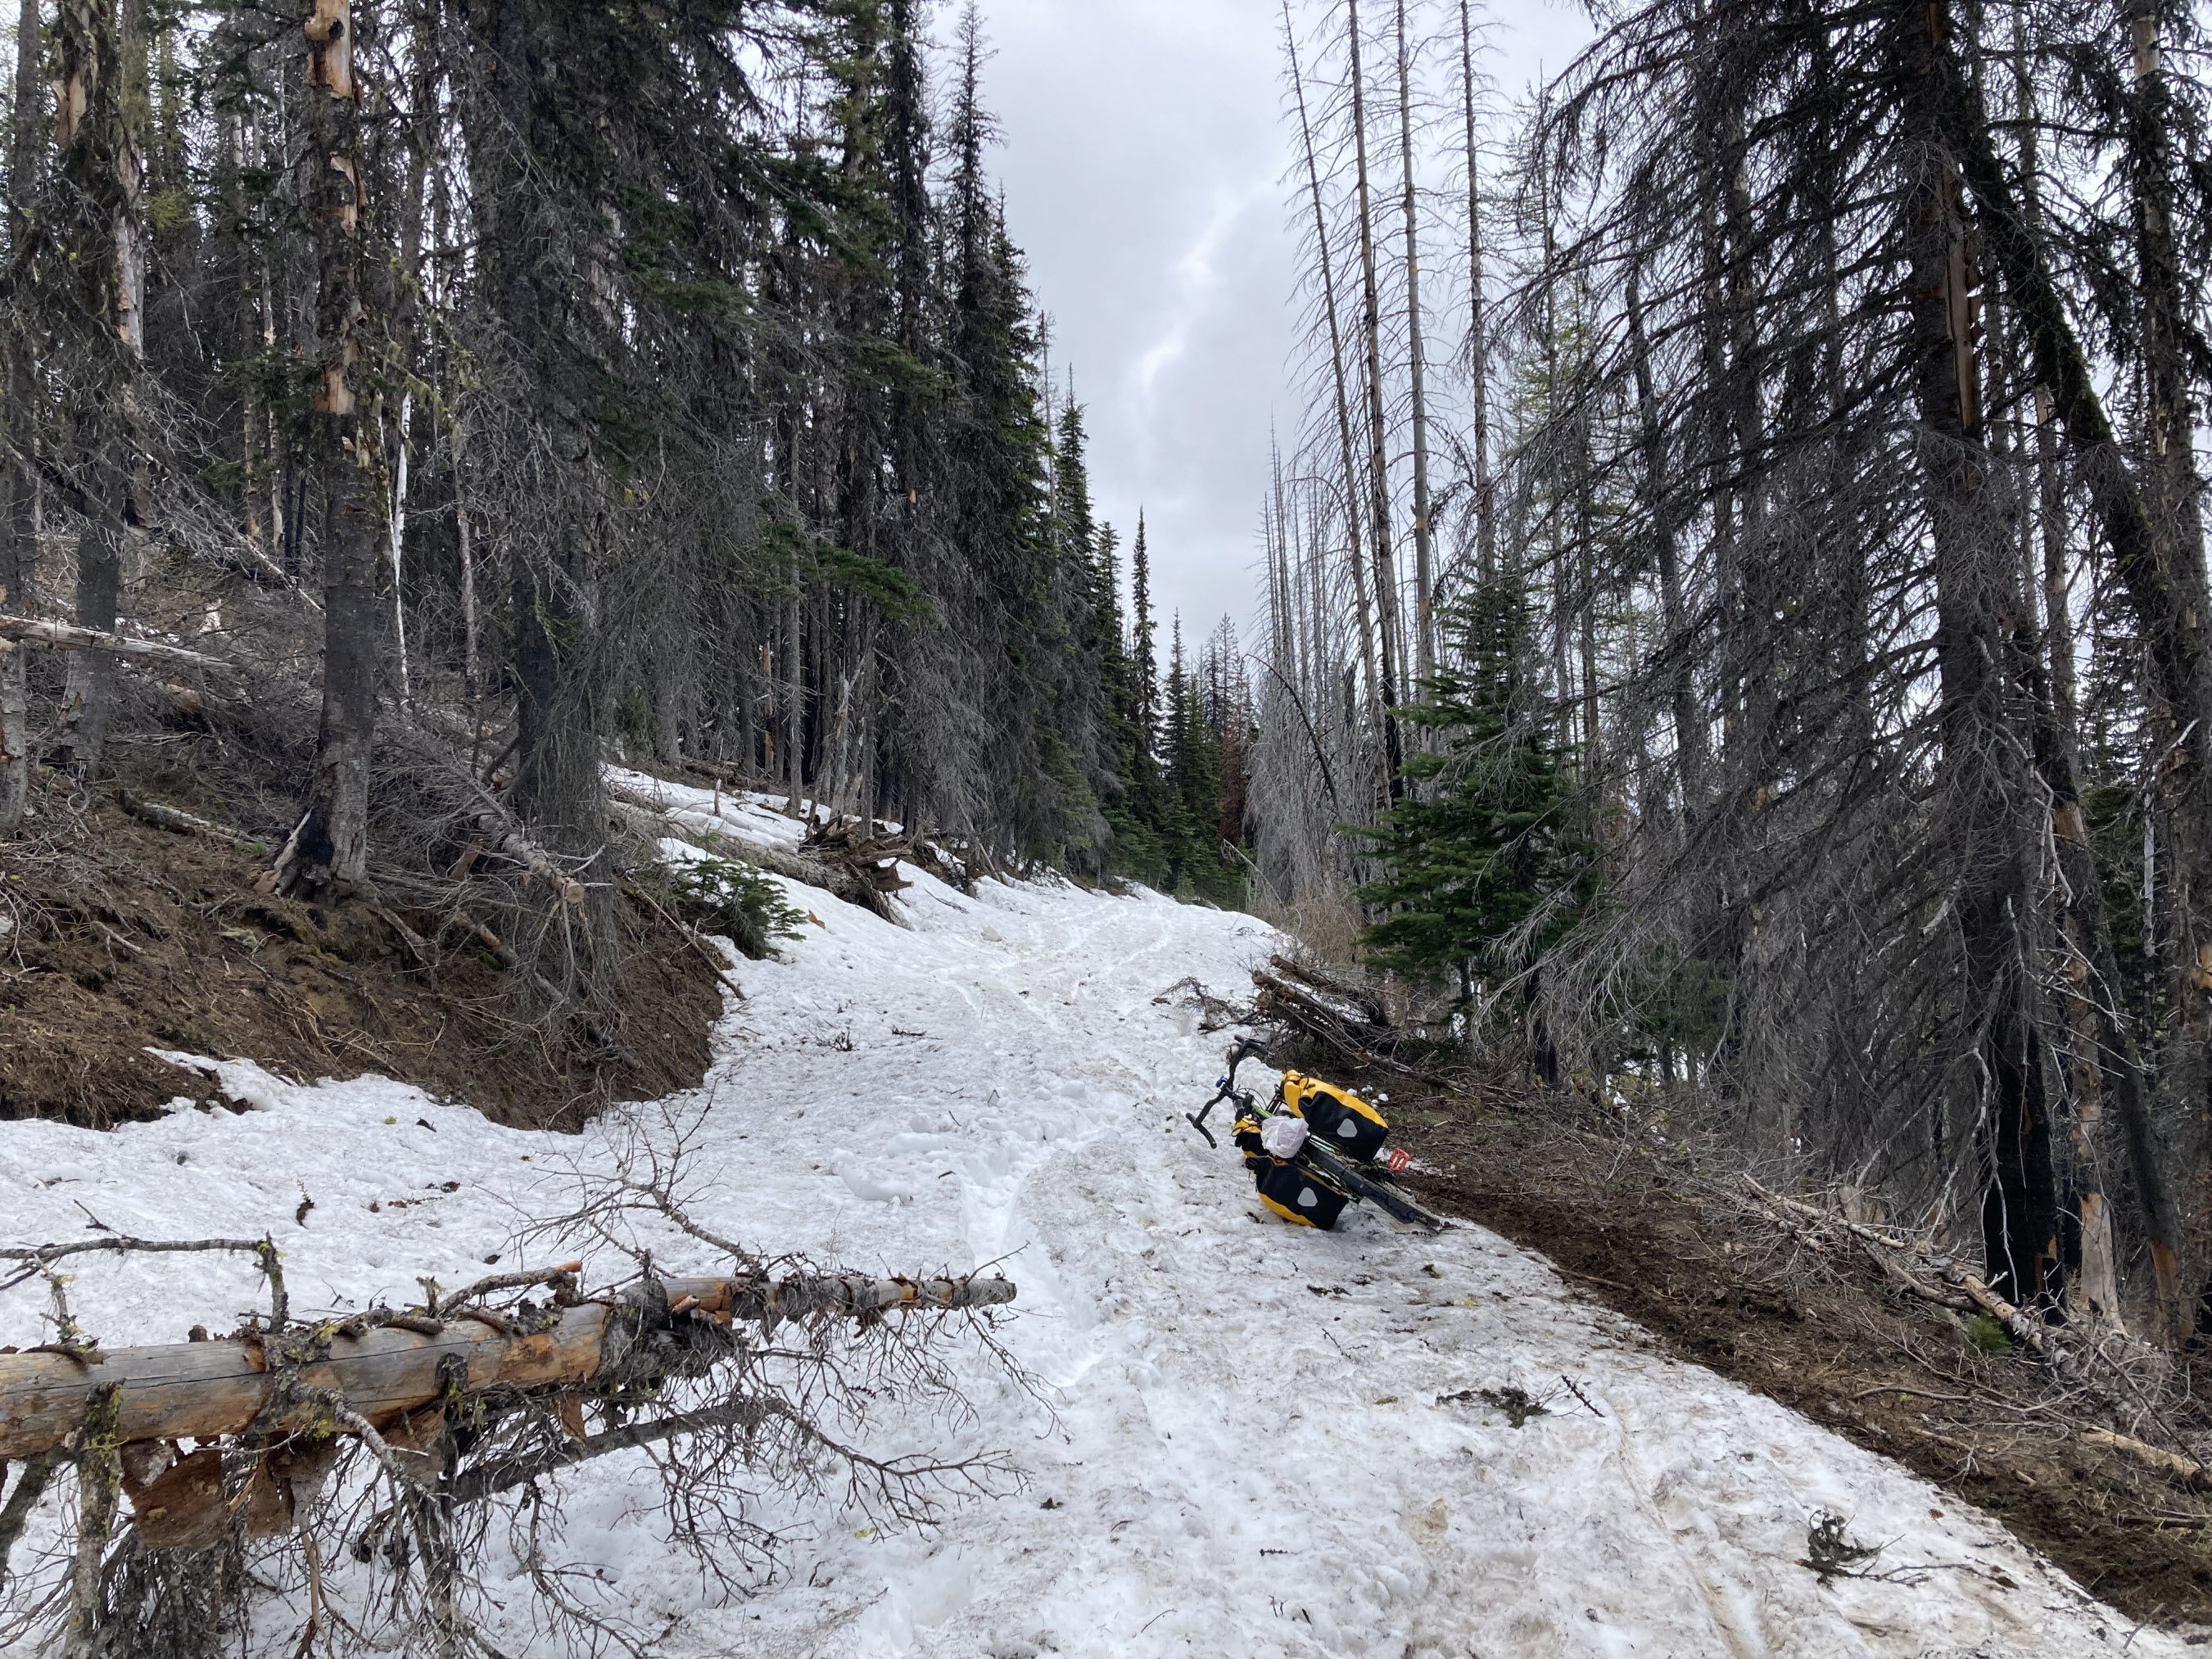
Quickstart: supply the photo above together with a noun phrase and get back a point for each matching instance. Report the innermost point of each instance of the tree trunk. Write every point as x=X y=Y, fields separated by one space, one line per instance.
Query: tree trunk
x=2167 y=596
x=100 y=129
x=2102 y=1060
x=1689 y=725
x=1478 y=335
x=19 y=531
x=1379 y=455
x=329 y=850
x=66 y=637
x=407 y=299
x=204 y=1390
x=2183 y=777
x=1987 y=795
x=532 y=138
x=1347 y=461
x=397 y=541
x=464 y=533
x=1424 y=627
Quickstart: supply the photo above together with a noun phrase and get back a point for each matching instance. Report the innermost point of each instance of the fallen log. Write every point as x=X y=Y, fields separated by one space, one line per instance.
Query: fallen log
x=276 y=1382
x=187 y=823
x=66 y=637
x=642 y=814
x=2084 y=1362
x=2185 y=1472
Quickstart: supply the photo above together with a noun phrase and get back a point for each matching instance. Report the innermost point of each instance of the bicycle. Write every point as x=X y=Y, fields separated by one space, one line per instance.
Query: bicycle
x=1311 y=1182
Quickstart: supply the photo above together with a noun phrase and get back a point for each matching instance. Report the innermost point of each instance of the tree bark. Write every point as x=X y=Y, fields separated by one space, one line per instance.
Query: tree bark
x=19 y=544
x=1987 y=795
x=1424 y=626
x=329 y=850
x=1378 y=456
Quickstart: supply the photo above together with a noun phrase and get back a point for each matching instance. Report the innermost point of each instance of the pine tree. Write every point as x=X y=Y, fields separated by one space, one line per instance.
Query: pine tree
x=1134 y=808
x=1191 y=815
x=1480 y=870
x=1145 y=661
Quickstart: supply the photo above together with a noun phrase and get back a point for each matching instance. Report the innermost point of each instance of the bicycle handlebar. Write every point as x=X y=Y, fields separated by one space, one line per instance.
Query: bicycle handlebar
x=1225 y=1086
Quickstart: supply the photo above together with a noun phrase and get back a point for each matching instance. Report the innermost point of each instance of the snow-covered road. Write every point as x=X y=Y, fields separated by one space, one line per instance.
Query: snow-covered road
x=1243 y=1451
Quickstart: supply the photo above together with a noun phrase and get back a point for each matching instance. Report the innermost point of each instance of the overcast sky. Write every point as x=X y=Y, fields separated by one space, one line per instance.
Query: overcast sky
x=1143 y=154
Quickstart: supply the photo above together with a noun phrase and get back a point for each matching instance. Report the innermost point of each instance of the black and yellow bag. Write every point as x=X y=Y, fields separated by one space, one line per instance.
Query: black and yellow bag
x=1340 y=1120
x=1288 y=1189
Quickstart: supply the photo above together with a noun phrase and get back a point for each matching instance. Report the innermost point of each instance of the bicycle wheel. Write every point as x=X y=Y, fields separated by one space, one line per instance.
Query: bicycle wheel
x=1377 y=1190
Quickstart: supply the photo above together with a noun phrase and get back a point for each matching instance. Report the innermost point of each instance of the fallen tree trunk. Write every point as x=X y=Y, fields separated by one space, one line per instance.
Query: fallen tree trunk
x=641 y=814
x=187 y=823
x=200 y=1390
x=66 y=637
x=2084 y=1362
x=2185 y=1472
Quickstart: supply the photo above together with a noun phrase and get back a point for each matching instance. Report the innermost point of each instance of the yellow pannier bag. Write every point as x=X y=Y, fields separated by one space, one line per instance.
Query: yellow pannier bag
x=1287 y=1186
x=1340 y=1120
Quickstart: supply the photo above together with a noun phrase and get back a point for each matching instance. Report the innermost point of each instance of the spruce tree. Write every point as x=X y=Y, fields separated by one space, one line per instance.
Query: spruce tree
x=1480 y=869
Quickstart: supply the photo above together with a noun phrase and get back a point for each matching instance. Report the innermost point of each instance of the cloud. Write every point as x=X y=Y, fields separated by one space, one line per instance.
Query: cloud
x=1143 y=157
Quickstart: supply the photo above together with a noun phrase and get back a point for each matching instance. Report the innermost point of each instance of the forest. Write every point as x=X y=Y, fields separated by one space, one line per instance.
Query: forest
x=423 y=402
x=573 y=734
x=1741 y=580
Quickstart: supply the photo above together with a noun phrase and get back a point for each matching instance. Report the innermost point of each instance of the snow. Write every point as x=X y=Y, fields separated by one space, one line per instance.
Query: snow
x=1242 y=1446
x=748 y=814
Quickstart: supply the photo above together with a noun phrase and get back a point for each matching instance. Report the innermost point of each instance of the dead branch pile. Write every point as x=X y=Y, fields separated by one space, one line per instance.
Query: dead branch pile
x=2114 y=1376
x=1348 y=1021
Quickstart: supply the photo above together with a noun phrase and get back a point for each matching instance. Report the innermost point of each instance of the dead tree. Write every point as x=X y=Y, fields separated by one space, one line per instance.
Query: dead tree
x=19 y=531
x=1425 y=625
x=329 y=848
x=358 y=1463
x=100 y=126
x=1388 y=618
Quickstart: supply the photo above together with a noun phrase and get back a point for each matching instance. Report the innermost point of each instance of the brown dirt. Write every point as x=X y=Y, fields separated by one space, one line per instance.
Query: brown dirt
x=123 y=937
x=1827 y=1339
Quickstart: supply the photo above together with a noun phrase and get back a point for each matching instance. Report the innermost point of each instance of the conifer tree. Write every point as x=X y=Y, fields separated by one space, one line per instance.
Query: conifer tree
x=1144 y=657
x=1480 y=868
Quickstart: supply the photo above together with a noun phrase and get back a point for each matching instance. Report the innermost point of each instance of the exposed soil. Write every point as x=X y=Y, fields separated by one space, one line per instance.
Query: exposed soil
x=1828 y=1339
x=121 y=936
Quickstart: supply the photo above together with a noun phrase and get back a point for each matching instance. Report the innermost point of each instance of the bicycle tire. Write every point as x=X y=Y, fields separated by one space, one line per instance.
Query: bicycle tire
x=1375 y=1189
